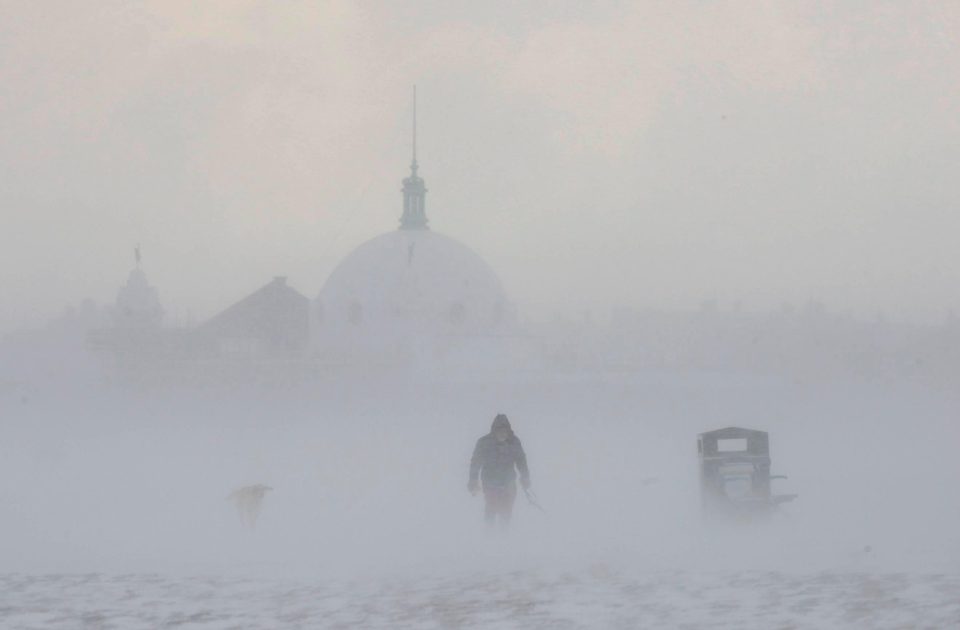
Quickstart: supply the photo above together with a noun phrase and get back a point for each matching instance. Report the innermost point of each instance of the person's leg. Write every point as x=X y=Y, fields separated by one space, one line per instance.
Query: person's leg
x=490 y=505
x=508 y=497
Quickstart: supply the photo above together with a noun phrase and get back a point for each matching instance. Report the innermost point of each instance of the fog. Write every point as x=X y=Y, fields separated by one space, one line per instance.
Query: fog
x=367 y=484
x=741 y=151
x=666 y=219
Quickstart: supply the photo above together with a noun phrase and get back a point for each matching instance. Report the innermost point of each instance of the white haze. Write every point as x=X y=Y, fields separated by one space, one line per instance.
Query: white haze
x=370 y=476
x=707 y=215
x=751 y=152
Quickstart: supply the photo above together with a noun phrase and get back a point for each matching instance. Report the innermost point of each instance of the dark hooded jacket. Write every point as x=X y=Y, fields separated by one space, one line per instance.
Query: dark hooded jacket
x=496 y=463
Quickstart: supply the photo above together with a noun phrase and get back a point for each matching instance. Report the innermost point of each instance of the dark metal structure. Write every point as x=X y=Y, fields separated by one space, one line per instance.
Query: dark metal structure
x=735 y=471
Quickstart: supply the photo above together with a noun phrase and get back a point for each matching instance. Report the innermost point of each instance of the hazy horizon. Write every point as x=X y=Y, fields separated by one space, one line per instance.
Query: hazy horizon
x=647 y=155
x=697 y=215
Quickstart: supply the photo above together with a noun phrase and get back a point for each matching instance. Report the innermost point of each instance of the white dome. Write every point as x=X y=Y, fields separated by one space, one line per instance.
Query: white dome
x=409 y=284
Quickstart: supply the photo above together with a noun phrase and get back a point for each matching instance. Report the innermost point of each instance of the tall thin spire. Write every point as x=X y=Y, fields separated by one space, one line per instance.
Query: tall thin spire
x=413 y=164
x=414 y=188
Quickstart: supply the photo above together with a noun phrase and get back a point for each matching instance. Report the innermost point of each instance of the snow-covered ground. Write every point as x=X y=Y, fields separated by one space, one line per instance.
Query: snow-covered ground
x=112 y=507
x=594 y=598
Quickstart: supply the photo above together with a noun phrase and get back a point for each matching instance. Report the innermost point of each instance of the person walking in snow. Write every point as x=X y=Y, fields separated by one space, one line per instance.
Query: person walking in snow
x=496 y=460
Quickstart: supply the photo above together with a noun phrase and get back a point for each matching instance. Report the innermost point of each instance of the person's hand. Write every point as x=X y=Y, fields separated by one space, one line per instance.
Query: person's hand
x=472 y=488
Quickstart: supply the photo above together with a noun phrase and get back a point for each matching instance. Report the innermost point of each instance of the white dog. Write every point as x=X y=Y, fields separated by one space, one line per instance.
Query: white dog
x=248 y=500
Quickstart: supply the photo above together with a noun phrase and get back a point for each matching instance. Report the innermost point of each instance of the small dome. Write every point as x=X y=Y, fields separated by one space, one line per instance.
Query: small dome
x=137 y=302
x=408 y=284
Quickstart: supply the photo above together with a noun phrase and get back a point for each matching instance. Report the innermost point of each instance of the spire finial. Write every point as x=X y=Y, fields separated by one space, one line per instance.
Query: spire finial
x=414 y=190
x=413 y=164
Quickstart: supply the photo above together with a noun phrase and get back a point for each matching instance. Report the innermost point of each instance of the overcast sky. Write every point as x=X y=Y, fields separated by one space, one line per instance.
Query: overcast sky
x=651 y=154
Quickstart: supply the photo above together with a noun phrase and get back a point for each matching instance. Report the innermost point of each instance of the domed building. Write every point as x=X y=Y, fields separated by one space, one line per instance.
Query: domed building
x=137 y=305
x=410 y=293
x=136 y=335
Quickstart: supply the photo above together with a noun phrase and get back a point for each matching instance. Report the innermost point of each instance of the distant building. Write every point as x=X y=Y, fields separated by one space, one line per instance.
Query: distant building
x=137 y=304
x=136 y=336
x=409 y=293
x=272 y=322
